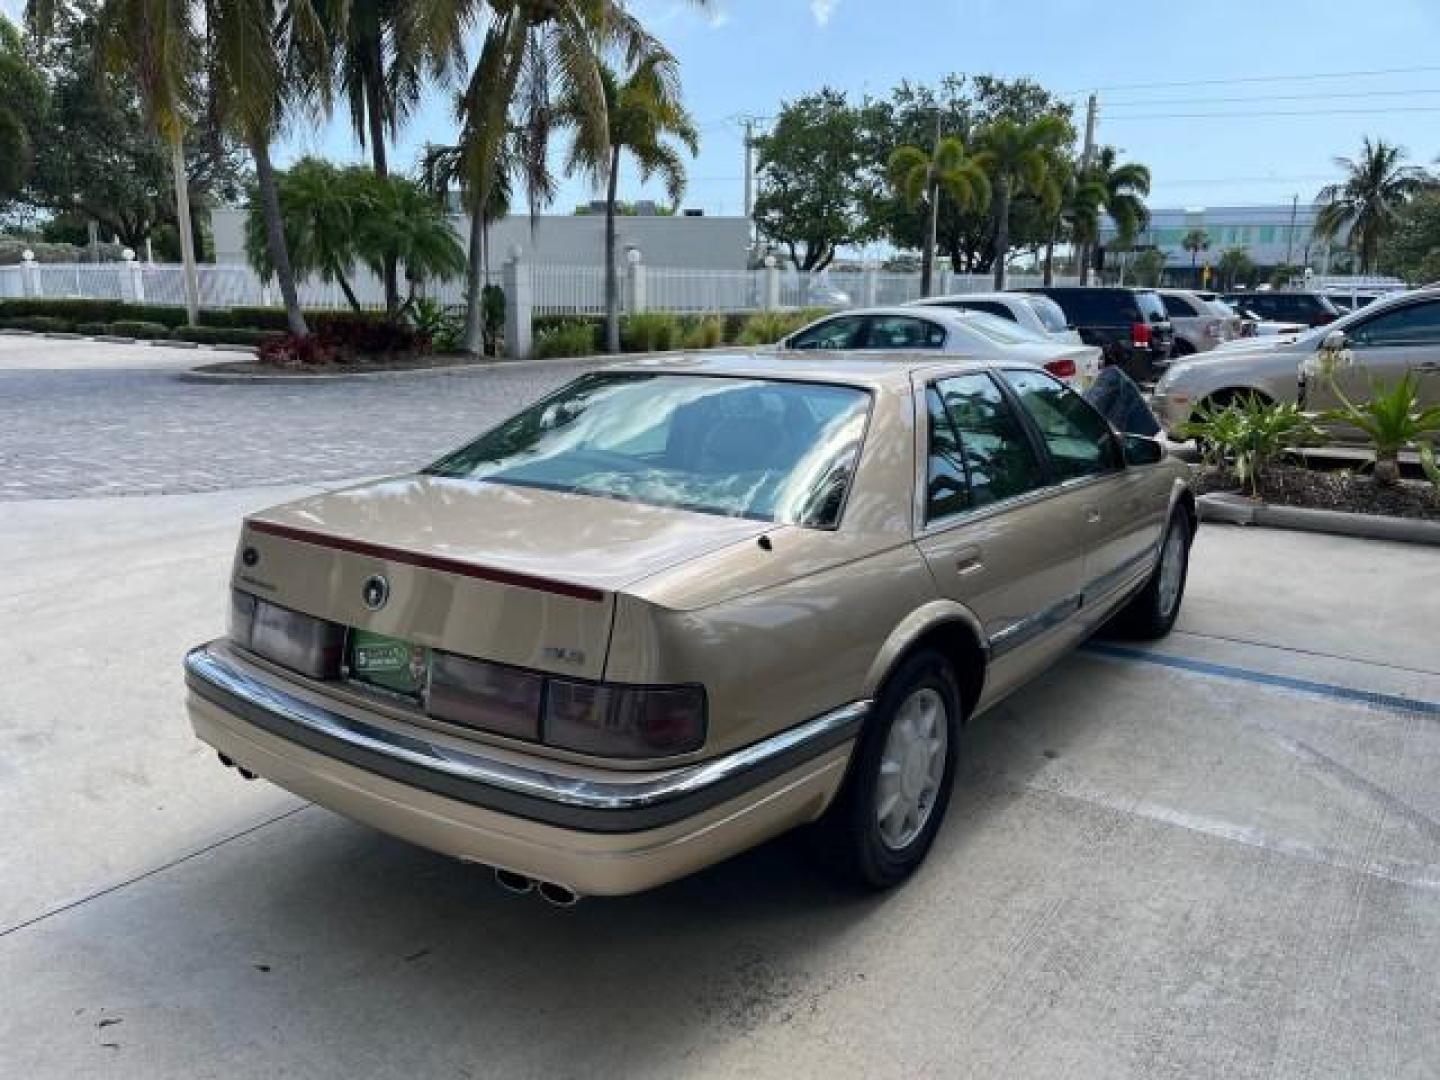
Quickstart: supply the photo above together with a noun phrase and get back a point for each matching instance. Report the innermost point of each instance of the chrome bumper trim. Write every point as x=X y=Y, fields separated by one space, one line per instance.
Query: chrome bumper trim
x=613 y=805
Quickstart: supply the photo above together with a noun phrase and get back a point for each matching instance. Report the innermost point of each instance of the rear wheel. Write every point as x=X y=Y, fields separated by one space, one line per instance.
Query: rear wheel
x=886 y=817
x=1152 y=611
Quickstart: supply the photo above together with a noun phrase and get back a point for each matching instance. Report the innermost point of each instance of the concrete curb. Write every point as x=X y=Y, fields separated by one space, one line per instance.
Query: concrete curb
x=115 y=339
x=63 y=335
x=200 y=375
x=169 y=344
x=1235 y=509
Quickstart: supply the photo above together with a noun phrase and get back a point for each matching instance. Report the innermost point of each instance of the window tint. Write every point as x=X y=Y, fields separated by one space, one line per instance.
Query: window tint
x=946 y=489
x=903 y=332
x=997 y=455
x=1415 y=324
x=842 y=332
x=1079 y=441
x=1180 y=308
x=1051 y=314
x=989 y=307
x=1097 y=307
x=1151 y=305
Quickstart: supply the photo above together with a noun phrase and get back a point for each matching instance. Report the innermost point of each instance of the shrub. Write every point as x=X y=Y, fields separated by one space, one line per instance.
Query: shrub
x=767 y=327
x=1393 y=418
x=221 y=335
x=1249 y=433
x=40 y=324
x=542 y=323
x=361 y=337
x=288 y=350
x=580 y=338
x=444 y=326
x=701 y=332
x=649 y=331
x=92 y=328
x=138 y=328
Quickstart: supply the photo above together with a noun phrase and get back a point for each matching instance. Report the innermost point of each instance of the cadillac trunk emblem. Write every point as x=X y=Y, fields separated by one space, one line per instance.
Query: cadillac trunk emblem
x=375 y=592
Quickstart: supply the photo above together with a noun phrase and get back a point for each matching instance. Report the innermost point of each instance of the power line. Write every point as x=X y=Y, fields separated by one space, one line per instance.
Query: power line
x=1242 y=115
x=1271 y=97
x=1265 y=79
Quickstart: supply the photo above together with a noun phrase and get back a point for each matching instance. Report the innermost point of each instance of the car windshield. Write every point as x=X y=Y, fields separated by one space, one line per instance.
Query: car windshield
x=1000 y=331
x=769 y=450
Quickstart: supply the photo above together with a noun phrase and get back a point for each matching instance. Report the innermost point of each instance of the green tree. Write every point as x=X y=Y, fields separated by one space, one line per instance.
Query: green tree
x=809 y=169
x=403 y=221
x=321 y=206
x=1149 y=267
x=1413 y=250
x=1235 y=267
x=1195 y=241
x=1076 y=216
x=1125 y=185
x=23 y=104
x=643 y=112
x=1368 y=201
x=157 y=43
x=1019 y=157
x=923 y=178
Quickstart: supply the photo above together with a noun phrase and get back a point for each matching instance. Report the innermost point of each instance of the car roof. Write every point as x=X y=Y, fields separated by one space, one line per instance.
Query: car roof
x=906 y=310
x=873 y=370
x=950 y=298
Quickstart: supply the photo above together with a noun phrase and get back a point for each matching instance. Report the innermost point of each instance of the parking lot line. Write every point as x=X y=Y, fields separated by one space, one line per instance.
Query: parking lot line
x=1396 y=702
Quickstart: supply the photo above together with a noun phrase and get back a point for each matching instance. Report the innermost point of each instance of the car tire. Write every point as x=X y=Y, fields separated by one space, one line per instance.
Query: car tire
x=1151 y=612
x=881 y=825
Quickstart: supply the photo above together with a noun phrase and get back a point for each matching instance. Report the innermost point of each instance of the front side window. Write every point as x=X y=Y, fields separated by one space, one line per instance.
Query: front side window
x=768 y=450
x=1415 y=324
x=997 y=456
x=1079 y=440
x=842 y=332
x=903 y=332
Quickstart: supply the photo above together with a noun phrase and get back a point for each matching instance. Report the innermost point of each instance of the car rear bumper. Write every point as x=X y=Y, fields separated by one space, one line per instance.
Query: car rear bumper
x=610 y=833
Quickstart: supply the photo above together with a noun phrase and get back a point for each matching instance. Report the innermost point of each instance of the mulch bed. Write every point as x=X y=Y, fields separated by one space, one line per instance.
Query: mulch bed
x=397 y=363
x=1287 y=485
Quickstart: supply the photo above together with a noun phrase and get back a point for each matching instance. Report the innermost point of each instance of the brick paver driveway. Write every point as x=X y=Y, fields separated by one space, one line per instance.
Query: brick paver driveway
x=135 y=429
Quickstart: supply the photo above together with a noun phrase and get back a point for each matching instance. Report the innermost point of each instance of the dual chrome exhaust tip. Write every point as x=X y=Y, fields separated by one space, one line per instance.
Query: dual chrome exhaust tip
x=549 y=891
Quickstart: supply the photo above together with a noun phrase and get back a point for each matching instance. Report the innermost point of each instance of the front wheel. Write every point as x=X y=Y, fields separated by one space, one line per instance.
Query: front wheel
x=1152 y=611
x=885 y=819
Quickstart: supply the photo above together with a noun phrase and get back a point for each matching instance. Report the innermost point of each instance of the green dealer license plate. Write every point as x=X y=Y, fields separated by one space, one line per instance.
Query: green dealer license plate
x=389 y=663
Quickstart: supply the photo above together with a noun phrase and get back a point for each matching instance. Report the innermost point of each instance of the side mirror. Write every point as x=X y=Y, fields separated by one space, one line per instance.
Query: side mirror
x=1142 y=450
x=1335 y=340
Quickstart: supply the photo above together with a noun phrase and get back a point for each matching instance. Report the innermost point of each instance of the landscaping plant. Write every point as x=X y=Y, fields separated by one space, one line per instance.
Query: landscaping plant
x=1248 y=433
x=1393 y=419
x=649 y=331
x=567 y=339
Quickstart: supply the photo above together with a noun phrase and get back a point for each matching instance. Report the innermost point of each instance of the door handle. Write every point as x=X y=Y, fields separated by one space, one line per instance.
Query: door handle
x=1092 y=515
x=968 y=560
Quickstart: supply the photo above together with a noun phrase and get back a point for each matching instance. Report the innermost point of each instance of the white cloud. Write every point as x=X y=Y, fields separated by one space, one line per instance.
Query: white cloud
x=822 y=10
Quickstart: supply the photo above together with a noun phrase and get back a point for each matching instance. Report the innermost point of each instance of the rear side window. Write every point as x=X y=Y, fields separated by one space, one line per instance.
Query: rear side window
x=1152 y=306
x=1097 y=307
x=1416 y=324
x=1051 y=313
x=903 y=332
x=1180 y=308
x=989 y=307
x=996 y=456
x=1079 y=440
x=842 y=332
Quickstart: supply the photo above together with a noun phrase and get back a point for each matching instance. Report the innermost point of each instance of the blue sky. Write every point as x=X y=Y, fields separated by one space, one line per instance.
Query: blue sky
x=747 y=56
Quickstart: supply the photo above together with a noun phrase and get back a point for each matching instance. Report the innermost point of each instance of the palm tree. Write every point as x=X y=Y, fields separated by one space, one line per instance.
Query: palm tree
x=1078 y=210
x=1125 y=185
x=1195 y=241
x=534 y=52
x=402 y=220
x=642 y=112
x=1234 y=264
x=378 y=73
x=267 y=59
x=321 y=206
x=158 y=43
x=1019 y=158
x=921 y=177
x=1368 y=200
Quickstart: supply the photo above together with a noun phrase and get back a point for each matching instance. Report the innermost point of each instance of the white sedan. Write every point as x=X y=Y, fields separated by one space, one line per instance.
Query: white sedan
x=1031 y=310
x=945 y=330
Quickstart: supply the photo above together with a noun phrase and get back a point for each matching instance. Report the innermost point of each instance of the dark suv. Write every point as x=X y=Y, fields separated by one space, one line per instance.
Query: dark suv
x=1308 y=308
x=1129 y=325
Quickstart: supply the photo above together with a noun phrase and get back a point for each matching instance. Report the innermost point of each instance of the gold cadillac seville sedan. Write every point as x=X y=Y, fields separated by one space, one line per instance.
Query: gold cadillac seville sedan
x=680 y=606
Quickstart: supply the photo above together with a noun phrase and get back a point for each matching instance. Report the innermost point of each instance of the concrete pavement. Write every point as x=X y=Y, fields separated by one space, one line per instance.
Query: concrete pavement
x=1170 y=863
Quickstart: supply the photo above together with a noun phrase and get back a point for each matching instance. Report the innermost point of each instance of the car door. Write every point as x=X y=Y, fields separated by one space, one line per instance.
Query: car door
x=1124 y=508
x=998 y=535
x=836 y=332
x=1400 y=340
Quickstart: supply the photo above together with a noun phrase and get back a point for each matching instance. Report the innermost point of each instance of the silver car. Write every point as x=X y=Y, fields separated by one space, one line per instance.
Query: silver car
x=1393 y=336
x=1200 y=324
x=1037 y=313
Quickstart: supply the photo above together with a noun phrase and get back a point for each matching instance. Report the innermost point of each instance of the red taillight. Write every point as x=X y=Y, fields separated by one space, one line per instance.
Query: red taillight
x=1064 y=368
x=1140 y=334
x=623 y=721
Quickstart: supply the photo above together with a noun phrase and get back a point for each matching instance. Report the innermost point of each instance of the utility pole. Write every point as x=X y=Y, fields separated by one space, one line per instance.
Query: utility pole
x=750 y=229
x=1087 y=152
x=1290 y=240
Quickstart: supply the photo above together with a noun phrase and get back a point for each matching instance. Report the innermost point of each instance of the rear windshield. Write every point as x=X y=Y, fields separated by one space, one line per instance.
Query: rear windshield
x=1051 y=313
x=1001 y=332
x=1153 y=307
x=754 y=448
x=1097 y=307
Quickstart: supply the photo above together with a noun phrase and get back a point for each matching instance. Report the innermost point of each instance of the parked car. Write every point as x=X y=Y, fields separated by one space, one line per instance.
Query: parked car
x=1307 y=308
x=946 y=330
x=1394 y=335
x=1037 y=313
x=678 y=607
x=1129 y=325
x=1199 y=324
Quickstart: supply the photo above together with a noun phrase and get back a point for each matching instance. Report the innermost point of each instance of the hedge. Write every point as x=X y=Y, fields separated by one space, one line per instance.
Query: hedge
x=221 y=335
x=138 y=328
x=40 y=324
x=97 y=311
